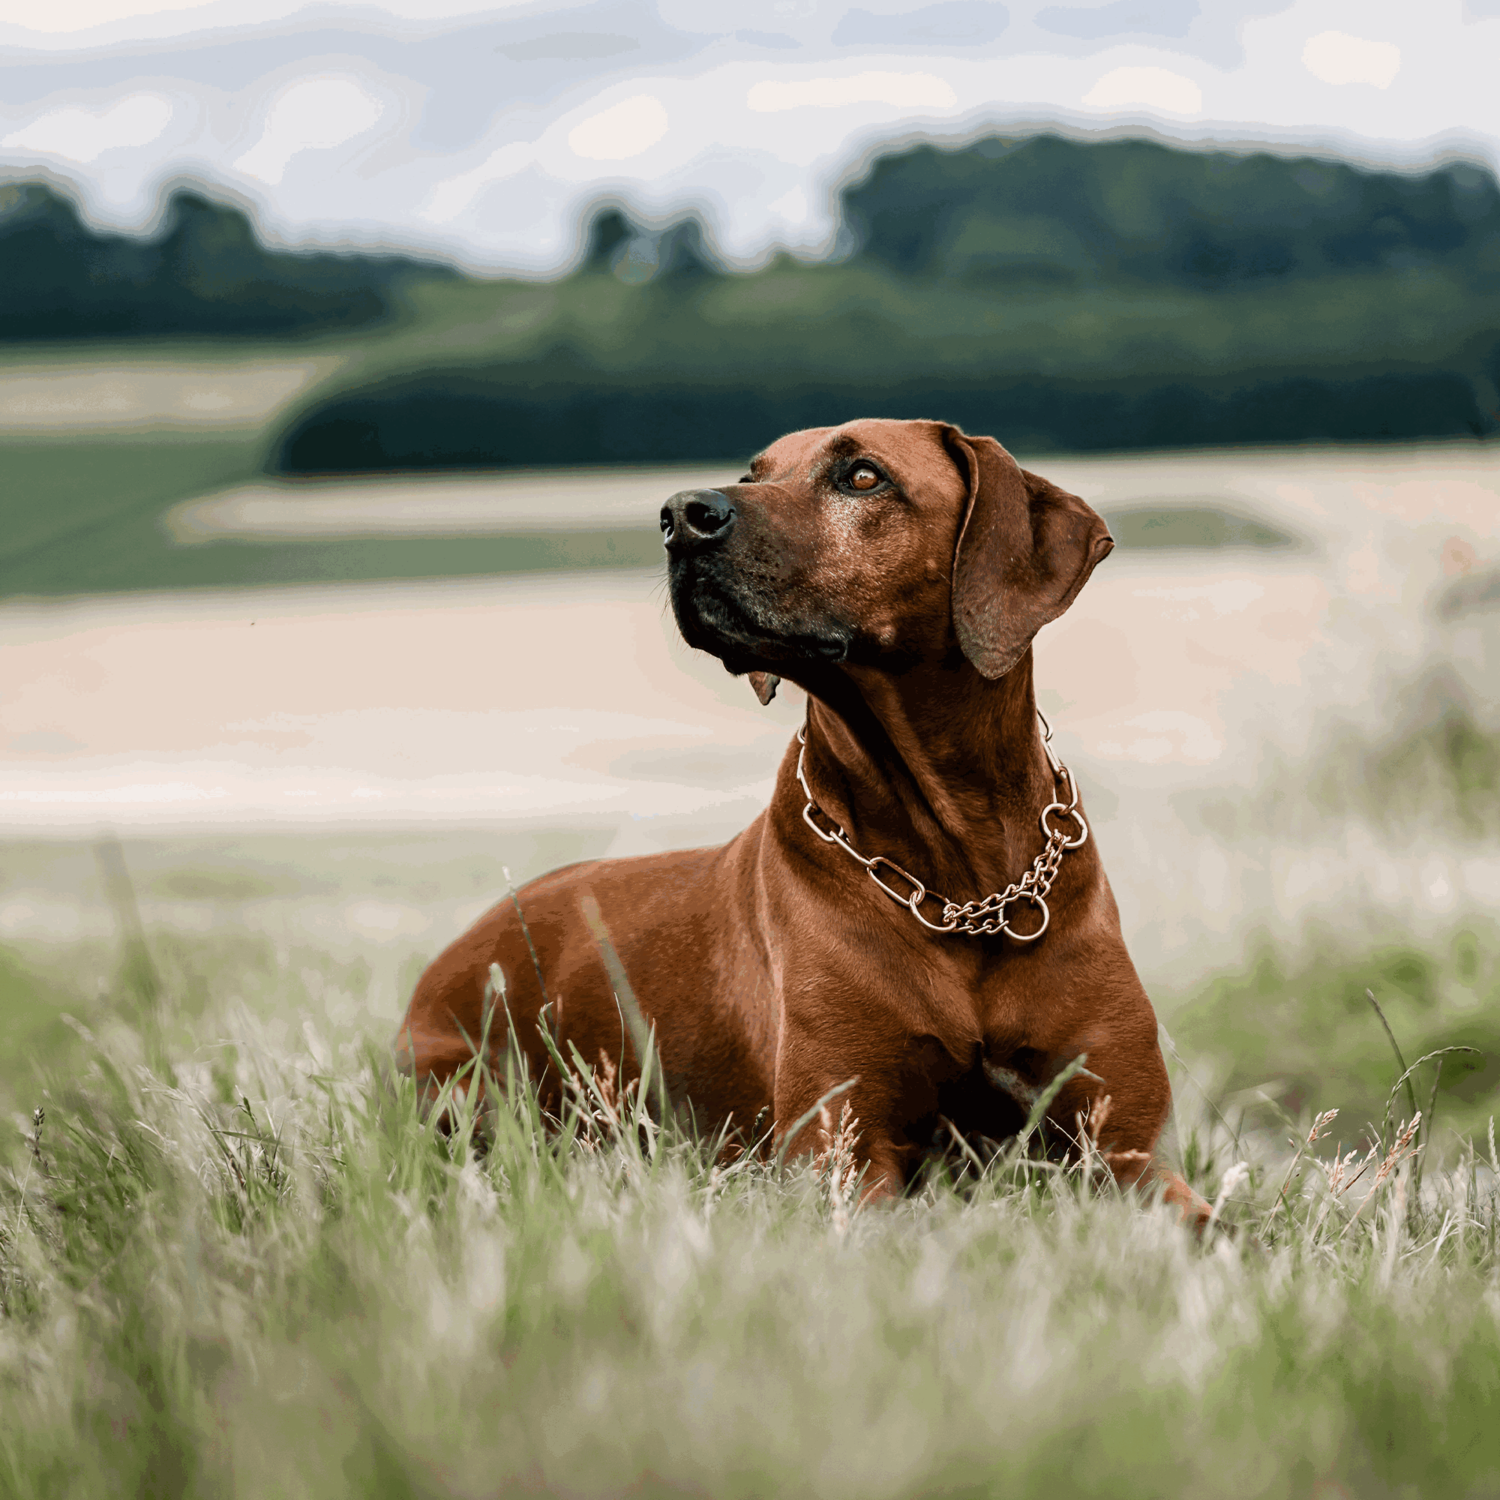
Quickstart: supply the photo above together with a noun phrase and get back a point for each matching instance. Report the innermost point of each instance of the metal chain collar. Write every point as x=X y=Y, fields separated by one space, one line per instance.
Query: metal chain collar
x=990 y=914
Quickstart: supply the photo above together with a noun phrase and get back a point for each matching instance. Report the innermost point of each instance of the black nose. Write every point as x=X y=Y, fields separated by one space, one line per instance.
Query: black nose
x=696 y=518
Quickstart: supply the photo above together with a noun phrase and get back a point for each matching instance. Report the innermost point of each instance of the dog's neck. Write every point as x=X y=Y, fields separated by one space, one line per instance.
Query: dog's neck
x=938 y=769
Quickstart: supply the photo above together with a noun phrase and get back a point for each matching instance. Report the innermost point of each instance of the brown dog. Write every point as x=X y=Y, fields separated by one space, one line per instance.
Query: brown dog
x=897 y=571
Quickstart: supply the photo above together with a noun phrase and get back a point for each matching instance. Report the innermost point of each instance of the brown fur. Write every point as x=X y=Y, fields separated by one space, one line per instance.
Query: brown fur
x=773 y=967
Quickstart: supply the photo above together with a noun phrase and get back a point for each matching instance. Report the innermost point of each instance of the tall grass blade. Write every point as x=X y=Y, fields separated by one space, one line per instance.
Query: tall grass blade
x=536 y=962
x=640 y=1034
x=1411 y=1093
x=1046 y=1098
x=807 y=1117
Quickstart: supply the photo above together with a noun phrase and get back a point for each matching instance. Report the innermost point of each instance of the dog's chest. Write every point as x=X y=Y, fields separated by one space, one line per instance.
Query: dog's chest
x=987 y=1098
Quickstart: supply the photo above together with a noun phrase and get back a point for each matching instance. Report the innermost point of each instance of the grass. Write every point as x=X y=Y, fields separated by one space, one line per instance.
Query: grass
x=82 y=515
x=79 y=512
x=1293 y=1022
x=234 y=1259
x=1428 y=765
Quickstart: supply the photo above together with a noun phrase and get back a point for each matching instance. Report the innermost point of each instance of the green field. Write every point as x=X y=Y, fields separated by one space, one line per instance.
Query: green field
x=82 y=515
x=233 y=1260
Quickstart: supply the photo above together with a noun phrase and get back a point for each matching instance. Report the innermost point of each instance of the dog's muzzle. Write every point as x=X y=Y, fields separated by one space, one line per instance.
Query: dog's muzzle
x=695 y=520
x=728 y=588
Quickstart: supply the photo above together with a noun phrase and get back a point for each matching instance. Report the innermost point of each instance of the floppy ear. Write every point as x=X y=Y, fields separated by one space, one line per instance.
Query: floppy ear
x=1024 y=551
x=765 y=684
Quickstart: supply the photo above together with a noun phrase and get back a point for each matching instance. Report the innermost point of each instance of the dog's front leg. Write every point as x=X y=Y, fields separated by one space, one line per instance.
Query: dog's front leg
x=842 y=1098
x=1122 y=1112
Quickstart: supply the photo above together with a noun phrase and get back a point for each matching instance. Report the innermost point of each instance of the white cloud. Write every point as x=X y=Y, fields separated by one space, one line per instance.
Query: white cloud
x=902 y=90
x=745 y=137
x=67 y=20
x=313 y=114
x=1336 y=57
x=454 y=194
x=1156 y=88
x=80 y=15
x=83 y=135
x=624 y=130
x=792 y=206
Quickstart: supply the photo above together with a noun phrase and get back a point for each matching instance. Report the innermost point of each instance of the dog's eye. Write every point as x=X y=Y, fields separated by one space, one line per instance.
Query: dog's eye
x=863 y=477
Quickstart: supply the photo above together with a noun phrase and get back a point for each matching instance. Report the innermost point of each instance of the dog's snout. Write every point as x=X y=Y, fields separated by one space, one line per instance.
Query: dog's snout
x=696 y=518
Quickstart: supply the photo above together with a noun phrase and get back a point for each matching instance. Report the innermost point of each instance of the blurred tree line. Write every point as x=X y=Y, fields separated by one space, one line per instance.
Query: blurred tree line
x=203 y=273
x=1063 y=294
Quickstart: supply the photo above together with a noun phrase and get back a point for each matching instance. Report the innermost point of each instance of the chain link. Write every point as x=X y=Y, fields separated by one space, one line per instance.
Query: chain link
x=990 y=914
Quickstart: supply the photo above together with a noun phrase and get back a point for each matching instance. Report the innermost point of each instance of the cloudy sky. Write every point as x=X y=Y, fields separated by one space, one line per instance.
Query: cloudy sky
x=479 y=130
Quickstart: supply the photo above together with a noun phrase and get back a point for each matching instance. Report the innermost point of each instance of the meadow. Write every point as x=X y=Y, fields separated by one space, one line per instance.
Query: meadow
x=235 y=1259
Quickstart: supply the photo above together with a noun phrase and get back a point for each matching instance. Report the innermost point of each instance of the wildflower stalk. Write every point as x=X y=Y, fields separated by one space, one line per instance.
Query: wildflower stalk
x=1319 y=1129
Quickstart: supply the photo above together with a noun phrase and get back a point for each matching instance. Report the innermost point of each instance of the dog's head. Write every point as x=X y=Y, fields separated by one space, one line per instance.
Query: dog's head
x=878 y=543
